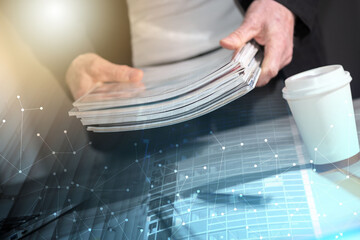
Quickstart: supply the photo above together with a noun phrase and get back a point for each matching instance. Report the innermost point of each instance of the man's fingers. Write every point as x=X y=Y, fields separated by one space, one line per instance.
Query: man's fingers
x=271 y=63
x=239 y=37
x=121 y=73
x=136 y=75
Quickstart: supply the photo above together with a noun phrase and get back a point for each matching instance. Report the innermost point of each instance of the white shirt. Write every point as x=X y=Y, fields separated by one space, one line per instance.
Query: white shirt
x=164 y=31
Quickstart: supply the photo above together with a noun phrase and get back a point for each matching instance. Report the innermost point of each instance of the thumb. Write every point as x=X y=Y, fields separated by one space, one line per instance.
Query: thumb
x=123 y=73
x=240 y=36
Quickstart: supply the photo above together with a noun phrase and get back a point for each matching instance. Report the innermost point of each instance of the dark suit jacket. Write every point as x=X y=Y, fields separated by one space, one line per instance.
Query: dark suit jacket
x=308 y=49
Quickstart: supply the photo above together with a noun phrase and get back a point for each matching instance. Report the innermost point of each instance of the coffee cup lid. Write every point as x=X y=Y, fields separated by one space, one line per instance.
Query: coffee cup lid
x=315 y=81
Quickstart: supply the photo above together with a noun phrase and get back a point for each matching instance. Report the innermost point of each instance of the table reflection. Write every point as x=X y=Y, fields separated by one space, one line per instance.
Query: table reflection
x=240 y=172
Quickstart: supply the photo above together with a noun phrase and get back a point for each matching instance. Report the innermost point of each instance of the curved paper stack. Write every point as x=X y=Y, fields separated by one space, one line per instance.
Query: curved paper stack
x=174 y=92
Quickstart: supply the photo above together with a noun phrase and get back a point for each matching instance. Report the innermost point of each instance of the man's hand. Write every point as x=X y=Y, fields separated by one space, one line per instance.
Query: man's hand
x=271 y=25
x=88 y=69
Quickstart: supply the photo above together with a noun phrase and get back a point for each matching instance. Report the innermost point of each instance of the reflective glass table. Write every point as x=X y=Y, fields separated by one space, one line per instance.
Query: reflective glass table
x=241 y=172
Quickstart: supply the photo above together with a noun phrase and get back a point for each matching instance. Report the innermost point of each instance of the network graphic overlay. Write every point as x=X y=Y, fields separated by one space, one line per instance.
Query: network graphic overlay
x=241 y=172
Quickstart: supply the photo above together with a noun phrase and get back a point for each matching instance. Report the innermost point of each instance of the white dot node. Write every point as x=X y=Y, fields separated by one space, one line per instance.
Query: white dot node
x=289 y=234
x=198 y=191
x=276 y=156
x=223 y=148
x=265 y=140
x=183 y=223
x=254 y=210
x=126 y=220
x=341 y=234
x=232 y=190
x=235 y=209
x=38 y=134
x=112 y=213
x=18 y=97
x=261 y=237
x=259 y=192
x=4 y=121
x=337 y=187
x=347 y=176
x=53 y=152
x=189 y=210
x=74 y=152
x=175 y=171
x=222 y=214
x=340 y=204
x=213 y=215
x=65 y=131
x=106 y=167
x=177 y=145
x=355 y=213
x=159 y=165
x=54 y=173
x=331 y=126
x=20 y=171
x=291 y=215
x=178 y=195
x=205 y=167
x=65 y=170
x=255 y=165
x=294 y=164
x=276 y=204
x=324 y=215
x=101 y=208
x=277 y=176
x=22 y=109
x=90 y=143
x=92 y=190
x=128 y=190
x=350 y=115
x=247 y=227
x=186 y=176
x=311 y=161
x=41 y=108
x=241 y=144
x=240 y=195
x=89 y=229
x=160 y=151
x=54 y=213
x=315 y=149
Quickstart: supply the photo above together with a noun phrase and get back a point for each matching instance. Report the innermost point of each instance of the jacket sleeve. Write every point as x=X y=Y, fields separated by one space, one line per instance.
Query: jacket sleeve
x=304 y=10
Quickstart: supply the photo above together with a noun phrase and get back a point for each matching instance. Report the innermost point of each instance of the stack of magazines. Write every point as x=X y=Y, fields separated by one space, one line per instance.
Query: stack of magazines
x=173 y=93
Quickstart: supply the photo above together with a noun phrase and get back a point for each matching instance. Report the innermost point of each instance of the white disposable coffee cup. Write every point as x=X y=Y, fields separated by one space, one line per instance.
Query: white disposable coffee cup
x=321 y=103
